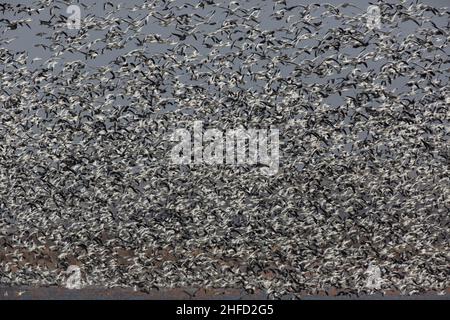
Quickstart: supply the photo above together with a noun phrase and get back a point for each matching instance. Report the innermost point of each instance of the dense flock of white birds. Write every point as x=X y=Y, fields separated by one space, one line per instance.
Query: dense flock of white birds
x=363 y=114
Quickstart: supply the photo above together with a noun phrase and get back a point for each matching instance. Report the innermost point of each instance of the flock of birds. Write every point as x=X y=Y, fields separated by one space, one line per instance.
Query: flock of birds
x=363 y=114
